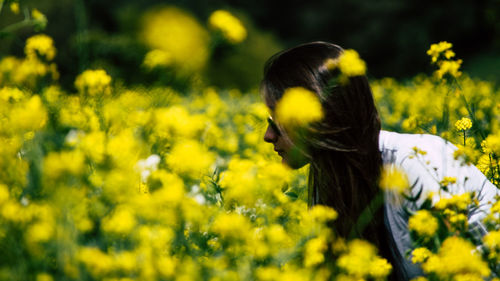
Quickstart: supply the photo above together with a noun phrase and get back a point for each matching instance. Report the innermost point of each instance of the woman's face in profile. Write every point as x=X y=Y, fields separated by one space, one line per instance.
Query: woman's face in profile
x=291 y=155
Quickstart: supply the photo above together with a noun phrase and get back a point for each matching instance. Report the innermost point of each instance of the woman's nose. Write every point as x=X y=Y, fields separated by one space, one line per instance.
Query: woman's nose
x=270 y=135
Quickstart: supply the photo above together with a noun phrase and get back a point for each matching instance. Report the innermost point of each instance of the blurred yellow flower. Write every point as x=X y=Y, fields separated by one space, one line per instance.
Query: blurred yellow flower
x=351 y=64
x=30 y=115
x=459 y=202
x=121 y=221
x=231 y=225
x=190 y=158
x=56 y=164
x=157 y=58
x=230 y=26
x=14 y=7
x=456 y=256
x=179 y=35
x=40 y=46
x=449 y=67
x=492 y=241
x=447 y=181
x=93 y=82
x=423 y=223
x=393 y=179
x=298 y=107
x=314 y=250
x=96 y=261
x=361 y=261
x=44 y=277
x=491 y=144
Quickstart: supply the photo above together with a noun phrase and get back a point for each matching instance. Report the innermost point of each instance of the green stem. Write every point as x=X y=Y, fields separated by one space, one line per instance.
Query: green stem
x=367 y=215
x=18 y=25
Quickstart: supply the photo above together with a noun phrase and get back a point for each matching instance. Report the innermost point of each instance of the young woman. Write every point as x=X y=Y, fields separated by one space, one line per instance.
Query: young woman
x=346 y=150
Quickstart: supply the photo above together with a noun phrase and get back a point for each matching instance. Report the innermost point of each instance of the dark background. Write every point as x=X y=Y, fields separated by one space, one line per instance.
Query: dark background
x=392 y=36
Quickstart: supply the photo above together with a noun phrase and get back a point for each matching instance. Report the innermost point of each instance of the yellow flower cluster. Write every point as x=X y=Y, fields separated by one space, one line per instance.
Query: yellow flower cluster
x=463 y=124
x=93 y=83
x=447 y=181
x=298 y=107
x=349 y=63
x=420 y=255
x=441 y=54
x=40 y=46
x=35 y=68
x=423 y=223
x=456 y=257
x=438 y=49
x=231 y=27
x=361 y=262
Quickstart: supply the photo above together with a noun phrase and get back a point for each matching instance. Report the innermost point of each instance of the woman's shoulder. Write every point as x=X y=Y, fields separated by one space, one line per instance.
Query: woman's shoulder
x=393 y=140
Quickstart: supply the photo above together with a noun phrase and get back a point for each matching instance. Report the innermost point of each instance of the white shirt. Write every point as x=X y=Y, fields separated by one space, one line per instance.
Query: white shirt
x=425 y=172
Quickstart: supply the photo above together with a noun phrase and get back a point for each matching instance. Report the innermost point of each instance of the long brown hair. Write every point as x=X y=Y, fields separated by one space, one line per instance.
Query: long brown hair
x=345 y=162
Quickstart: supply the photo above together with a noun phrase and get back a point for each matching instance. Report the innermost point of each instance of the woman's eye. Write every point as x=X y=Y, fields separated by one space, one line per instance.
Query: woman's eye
x=273 y=125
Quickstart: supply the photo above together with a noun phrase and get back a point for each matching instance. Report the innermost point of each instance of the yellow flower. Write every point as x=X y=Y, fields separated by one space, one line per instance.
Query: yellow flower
x=314 y=250
x=436 y=49
x=449 y=67
x=121 y=221
x=361 y=261
x=350 y=63
x=93 y=82
x=232 y=226
x=57 y=164
x=39 y=232
x=447 y=181
x=40 y=45
x=459 y=202
x=97 y=262
x=44 y=277
x=178 y=34
x=420 y=255
x=230 y=26
x=14 y=7
x=30 y=116
x=456 y=256
x=190 y=158
x=423 y=223
x=4 y=193
x=40 y=18
x=463 y=124
x=491 y=144
x=157 y=58
x=393 y=179
x=492 y=240
x=298 y=107
x=322 y=213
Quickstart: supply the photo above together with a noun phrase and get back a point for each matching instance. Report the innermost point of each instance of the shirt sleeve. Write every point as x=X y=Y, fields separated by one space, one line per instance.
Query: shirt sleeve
x=425 y=170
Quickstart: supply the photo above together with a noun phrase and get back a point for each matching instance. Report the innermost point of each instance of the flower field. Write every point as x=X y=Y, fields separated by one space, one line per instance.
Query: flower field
x=107 y=182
